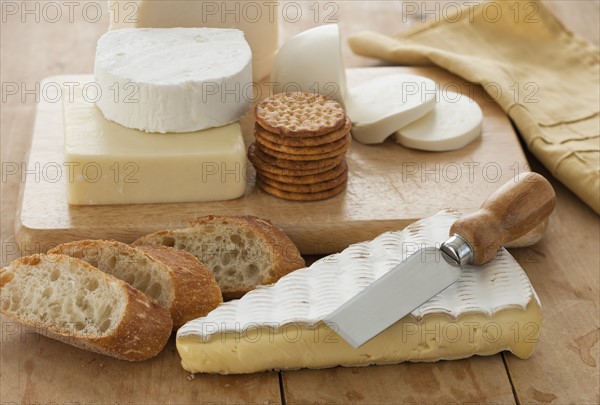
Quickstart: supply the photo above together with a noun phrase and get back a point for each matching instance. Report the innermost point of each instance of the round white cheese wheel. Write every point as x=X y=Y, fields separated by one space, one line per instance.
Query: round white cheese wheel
x=380 y=106
x=173 y=79
x=455 y=121
x=258 y=19
x=311 y=62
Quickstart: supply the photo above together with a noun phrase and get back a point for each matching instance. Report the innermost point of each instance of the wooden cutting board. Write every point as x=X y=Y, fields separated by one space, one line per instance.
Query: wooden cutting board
x=389 y=186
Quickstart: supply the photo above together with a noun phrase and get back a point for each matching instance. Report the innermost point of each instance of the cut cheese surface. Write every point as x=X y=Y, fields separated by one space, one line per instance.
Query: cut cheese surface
x=455 y=121
x=111 y=164
x=173 y=80
x=323 y=72
x=381 y=106
x=258 y=20
x=489 y=309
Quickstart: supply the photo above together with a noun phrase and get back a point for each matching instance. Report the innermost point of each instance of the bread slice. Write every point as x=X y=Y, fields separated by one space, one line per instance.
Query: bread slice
x=243 y=252
x=68 y=299
x=176 y=279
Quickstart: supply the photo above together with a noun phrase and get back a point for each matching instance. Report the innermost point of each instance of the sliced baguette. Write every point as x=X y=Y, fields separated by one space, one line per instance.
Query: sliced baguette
x=69 y=300
x=176 y=279
x=243 y=252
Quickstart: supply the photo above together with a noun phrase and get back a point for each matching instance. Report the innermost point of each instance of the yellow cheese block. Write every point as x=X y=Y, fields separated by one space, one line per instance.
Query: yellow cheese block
x=490 y=308
x=111 y=164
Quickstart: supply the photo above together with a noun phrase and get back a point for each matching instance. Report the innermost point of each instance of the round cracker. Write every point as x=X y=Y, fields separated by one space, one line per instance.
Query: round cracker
x=307 y=179
x=300 y=114
x=262 y=166
x=306 y=188
x=303 y=150
x=305 y=158
x=300 y=165
x=306 y=141
x=323 y=195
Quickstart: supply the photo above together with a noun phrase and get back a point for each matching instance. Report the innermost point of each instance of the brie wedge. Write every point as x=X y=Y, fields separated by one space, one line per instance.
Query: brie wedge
x=173 y=80
x=489 y=309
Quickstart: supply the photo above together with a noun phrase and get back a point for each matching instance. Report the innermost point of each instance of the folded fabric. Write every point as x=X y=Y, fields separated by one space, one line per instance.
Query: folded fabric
x=546 y=78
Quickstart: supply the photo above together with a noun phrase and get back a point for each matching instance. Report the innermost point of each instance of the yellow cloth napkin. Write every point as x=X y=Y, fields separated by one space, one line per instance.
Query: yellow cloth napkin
x=546 y=78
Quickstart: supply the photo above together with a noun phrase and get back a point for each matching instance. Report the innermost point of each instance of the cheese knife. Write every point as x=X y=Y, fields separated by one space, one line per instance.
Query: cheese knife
x=513 y=210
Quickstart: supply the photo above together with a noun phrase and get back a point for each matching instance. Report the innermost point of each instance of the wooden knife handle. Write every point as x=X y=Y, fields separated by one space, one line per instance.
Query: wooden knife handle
x=513 y=210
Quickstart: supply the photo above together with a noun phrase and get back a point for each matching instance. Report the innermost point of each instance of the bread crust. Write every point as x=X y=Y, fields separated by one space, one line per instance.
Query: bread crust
x=194 y=290
x=141 y=333
x=285 y=256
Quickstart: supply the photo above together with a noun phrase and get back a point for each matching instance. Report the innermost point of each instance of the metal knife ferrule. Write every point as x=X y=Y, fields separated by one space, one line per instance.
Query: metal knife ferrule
x=457 y=251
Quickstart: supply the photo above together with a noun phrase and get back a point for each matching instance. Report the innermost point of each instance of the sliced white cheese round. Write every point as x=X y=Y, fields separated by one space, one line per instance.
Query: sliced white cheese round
x=455 y=121
x=380 y=106
x=311 y=62
x=175 y=79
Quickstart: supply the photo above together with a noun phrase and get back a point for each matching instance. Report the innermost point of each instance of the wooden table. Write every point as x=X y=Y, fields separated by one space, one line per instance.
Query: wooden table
x=564 y=268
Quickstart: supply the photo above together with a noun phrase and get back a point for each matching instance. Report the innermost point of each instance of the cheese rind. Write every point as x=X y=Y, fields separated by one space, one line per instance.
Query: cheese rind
x=258 y=20
x=173 y=80
x=111 y=164
x=456 y=121
x=489 y=309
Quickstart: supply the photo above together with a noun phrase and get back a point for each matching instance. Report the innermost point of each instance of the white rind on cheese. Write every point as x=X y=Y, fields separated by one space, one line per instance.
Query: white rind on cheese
x=381 y=106
x=111 y=164
x=173 y=80
x=456 y=121
x=489 y=309
x=259 y=21
x=312 y=62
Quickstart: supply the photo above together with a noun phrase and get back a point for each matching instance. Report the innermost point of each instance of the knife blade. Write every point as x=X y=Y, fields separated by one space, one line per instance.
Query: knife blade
x=512 y=211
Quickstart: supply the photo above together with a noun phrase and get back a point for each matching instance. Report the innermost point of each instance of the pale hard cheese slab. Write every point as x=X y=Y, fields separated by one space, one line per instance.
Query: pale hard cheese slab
x=257 y=19
x=111 y=164
x=489 y=309
x=174 y=80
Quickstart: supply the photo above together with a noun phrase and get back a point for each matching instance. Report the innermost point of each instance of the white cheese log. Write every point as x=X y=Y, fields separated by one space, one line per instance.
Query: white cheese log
x=173 y=80
x=312 y=62
x=489 y=309
x=111 y=164
x=380 y=106
x=258 y=19
x=456 y=121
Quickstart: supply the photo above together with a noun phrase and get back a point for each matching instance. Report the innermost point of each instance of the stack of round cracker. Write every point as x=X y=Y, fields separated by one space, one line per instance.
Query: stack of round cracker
x=301 y=145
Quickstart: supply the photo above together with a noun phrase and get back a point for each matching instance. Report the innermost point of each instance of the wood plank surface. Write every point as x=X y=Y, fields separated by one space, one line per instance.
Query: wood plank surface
x=474 y=380
x=564 y=269
x=38 y=370
x=389 y=186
